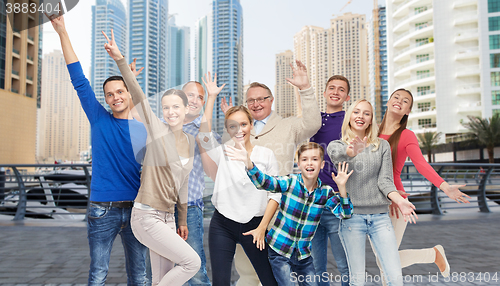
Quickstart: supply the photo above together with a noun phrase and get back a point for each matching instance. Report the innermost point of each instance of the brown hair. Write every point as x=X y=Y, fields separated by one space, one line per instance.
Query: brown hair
x=310 y=146
x=235 y=109
x=339 y=77
x=261 y=85
x=177 y=92
x=396 y=135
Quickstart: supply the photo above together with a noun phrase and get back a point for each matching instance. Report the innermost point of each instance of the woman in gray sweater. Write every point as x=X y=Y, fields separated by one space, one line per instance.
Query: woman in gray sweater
x=372 y=189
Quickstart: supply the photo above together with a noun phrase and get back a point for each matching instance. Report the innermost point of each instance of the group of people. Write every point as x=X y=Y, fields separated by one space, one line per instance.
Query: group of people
x=148 y=182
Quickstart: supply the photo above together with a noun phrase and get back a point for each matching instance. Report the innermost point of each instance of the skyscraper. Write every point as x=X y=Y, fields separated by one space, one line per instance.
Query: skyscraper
x=285 y=97
x=340 y=49
x=148 y=42
x=227 y=57
x=106 y=15
x=178 y=60
x=19 y=48
x=64 y=130
x=377 y=47
x=203 y=47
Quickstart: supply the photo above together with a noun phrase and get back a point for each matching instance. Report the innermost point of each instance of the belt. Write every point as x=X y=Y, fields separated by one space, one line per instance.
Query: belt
x=118 y=204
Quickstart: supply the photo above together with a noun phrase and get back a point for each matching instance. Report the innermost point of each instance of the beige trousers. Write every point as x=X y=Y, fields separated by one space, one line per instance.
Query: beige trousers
x=173 y=261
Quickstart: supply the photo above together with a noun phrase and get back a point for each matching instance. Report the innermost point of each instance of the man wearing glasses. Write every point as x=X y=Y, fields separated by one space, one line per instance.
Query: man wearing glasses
x=282 y=135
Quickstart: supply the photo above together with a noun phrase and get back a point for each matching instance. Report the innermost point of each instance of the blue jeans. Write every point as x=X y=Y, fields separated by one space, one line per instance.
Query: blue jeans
x=288 y=271
x=103 y=225
x=329 y=228
x=195 y=240
x=379 y=228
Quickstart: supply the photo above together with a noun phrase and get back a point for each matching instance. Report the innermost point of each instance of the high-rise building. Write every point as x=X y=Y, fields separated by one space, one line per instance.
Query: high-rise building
x=178 y=60
x=227 y=56
x=148 y=42
x=285 y=96
x=19 y=48
x=444 y=53
x=203 y=47
x=377 y=48
x=64 y=130
x=106 y=15
x=340 y=49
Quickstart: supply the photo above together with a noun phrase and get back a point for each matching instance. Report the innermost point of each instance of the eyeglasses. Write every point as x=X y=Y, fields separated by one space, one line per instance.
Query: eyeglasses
x=259 y=100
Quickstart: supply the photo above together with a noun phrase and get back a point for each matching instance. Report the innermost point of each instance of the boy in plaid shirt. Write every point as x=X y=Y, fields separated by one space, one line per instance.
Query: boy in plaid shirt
x=302 y=201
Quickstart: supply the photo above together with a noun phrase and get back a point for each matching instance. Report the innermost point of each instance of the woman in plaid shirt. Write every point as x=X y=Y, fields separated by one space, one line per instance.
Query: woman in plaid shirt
x=302 y=201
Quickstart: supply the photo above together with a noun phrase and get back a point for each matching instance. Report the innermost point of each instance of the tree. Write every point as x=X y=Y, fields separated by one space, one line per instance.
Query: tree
x=486 y=131
x=428 y=140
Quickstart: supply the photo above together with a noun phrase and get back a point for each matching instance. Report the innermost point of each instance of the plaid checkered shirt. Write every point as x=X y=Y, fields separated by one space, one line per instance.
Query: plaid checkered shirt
x=299 y=211
x=196 y=183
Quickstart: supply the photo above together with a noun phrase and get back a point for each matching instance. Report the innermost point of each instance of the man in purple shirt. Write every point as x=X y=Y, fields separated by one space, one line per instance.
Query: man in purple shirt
x=336 y=93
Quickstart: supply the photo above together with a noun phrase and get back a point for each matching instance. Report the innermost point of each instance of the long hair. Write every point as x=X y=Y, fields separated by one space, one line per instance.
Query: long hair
x=371 y=131
x=396 y=135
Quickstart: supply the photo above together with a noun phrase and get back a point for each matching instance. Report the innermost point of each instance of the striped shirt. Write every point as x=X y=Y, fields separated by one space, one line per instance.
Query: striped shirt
x=299 y=211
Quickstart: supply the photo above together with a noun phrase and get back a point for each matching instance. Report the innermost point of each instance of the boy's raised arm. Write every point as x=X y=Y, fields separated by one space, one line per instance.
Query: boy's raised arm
x=57 y=22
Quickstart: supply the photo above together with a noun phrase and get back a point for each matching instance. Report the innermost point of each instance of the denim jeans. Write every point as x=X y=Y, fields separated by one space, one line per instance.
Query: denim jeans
x=379 y=228
x=195 y=240
x=328 y=228
x=103 y=225
x=288 y=271
x=223 y=236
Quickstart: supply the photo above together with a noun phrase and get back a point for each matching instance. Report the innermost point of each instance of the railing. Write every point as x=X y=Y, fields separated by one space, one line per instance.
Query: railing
x=65 y=194
x=428 y=24
x=424 y=92
x=416 y=77
x=411 y=47
x=414 y=62
x=53 y=191
x=482 y=185
x=415 y=12
x=430 y=125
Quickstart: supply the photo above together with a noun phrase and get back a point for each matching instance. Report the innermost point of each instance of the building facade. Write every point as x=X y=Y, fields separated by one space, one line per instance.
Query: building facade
x=377 y=48
x=64 y=131
x=178 y=60
x=340 y=49
x=202 y=47
x=106 y=15
x=285 y=96
x=227 y=54
x=19 y=81
x=148 y=42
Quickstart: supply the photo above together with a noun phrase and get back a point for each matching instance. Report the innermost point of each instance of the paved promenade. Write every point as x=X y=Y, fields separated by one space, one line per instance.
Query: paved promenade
x=42 y=252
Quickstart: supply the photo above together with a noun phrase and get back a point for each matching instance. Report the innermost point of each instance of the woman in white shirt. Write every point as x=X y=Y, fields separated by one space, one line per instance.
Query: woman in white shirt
x=242 y=212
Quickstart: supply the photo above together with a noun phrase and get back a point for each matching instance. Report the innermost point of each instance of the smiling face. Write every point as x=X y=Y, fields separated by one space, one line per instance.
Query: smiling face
x=117 y=97
x=361 y=118
x=336 y=93
x=258 y=110
x=196 y=98
x=174 y=110
x=238 y=126
x=400 y=103
x=310 y=163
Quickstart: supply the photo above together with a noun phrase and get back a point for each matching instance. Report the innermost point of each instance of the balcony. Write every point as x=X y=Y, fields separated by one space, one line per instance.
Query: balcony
x=419 y=31
x=466 y=89
x=423 y=96
x=467 y=35
x=413 y=49
x=464 y=3
x=470 y=107
x=400 y=8
x=466 y=18
x=417 y=80
x=420 y=63
x=468 y=71
x=466 y=54
x=413 y=16
x=423 y=112
x=432 y=127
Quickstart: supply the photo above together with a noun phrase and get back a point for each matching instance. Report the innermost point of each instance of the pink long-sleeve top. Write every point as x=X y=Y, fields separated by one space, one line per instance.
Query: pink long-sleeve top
x=408 y=147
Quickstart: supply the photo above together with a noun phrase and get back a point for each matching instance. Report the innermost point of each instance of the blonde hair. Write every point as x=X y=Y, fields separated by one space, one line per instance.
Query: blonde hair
x=235 y=109
x=371 y=131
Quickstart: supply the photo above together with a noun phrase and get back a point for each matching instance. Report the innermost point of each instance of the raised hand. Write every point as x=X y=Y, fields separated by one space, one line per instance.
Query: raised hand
x=408 y=211
x=357 y=145
x=299 y=77
x=111 y=47
x=57 y=21
x=133 y=68
x=258 y=237
x=224 y=106
x=454 y=193
x=342 y=175
x=239 y=153
x=211 y=85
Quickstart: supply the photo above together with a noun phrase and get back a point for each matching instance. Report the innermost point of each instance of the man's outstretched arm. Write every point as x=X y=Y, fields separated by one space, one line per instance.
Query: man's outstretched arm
x=57 y=22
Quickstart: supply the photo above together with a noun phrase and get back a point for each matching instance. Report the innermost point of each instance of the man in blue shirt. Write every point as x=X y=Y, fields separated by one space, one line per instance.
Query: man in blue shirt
x=118 y=143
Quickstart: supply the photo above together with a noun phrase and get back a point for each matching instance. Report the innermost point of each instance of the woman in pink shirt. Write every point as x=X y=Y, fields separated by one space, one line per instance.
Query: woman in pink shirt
x=404 y=144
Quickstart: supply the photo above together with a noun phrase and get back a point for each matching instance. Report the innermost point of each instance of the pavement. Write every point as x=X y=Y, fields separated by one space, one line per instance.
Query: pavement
x=41 y=252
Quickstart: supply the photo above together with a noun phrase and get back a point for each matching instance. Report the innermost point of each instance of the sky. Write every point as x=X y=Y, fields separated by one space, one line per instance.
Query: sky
x=268 y=28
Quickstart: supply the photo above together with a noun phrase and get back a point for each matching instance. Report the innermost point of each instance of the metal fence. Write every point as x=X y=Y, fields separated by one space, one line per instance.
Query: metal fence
x=61 y=191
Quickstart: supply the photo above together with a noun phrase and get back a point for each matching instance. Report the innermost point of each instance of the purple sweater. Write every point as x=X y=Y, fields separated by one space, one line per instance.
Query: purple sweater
x=331 y=129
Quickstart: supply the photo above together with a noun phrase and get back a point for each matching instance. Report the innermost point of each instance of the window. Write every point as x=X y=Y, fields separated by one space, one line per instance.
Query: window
x=423 y=41
x=496 y=111
x=494 y=60
x=494 y=42
x=495 y=97
x=424 y=106
x=423 y=90
x=425 y=123
x=420 y=9
x=423 y=74
x=422 y=58
x=493 y=6
x=495 y=78
x=422 y=25
x=494 y=23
